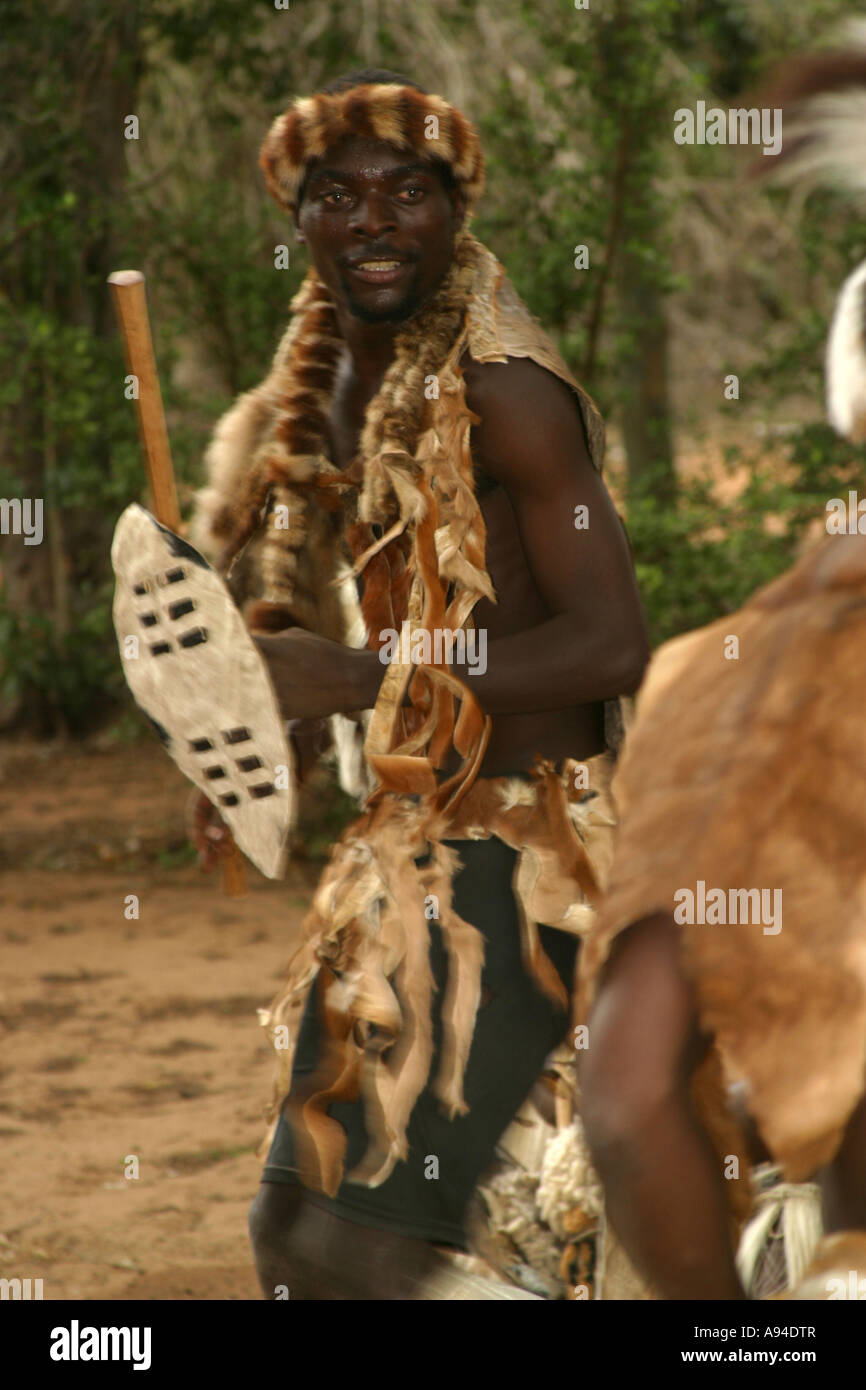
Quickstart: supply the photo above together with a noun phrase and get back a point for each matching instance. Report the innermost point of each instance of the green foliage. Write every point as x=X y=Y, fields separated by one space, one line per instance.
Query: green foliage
x=217 y=280
x=697 y=560
x=702 y=558
x=324 y=812
x=177 y=856
x=575 y=121
x=76 y=675
x=67 y=670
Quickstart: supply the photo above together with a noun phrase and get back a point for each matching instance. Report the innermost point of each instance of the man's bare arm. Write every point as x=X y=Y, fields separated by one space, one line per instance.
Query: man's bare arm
x=594 y=646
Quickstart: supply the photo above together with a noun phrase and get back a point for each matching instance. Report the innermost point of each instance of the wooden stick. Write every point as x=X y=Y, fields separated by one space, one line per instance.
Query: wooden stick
x=130 y=304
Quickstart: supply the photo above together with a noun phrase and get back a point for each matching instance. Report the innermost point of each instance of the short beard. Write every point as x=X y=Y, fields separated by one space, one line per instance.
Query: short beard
x=398 y=313
x=409 y=305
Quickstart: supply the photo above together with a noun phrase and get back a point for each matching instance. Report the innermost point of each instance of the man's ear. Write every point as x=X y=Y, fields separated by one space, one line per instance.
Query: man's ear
x=299 y=236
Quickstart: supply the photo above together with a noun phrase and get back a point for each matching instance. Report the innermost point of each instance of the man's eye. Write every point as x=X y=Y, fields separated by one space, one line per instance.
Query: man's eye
x=334 y=194
x=413 y=193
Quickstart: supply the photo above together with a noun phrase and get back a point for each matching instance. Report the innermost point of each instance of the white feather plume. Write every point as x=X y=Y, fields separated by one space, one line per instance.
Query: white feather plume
x=832 y=127
x=846 y=360
x=829 y=127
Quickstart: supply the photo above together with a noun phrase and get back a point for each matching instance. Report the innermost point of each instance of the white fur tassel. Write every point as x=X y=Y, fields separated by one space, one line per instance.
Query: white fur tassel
x=833 y=127
x=833 y=155
x=846 y=359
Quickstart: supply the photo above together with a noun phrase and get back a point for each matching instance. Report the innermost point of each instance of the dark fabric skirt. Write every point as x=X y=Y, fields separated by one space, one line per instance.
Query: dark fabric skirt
x=517 y=1027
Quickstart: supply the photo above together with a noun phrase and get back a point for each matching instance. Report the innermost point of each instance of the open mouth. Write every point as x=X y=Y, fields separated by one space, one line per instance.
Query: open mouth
x=379 y=270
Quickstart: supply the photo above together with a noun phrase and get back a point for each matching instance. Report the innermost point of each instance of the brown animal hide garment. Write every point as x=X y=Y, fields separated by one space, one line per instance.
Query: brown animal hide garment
x=751 y=773
x=368 y=934
x=367 y=931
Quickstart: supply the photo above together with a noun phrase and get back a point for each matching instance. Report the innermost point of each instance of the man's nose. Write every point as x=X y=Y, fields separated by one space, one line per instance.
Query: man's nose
x=372 y=215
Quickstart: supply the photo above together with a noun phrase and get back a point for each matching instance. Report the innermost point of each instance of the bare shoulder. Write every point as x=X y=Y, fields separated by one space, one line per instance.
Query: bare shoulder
x=518 y=386
x=526 y=415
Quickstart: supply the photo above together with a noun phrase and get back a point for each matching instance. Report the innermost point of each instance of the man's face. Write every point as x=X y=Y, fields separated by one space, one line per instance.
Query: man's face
x=380 y=228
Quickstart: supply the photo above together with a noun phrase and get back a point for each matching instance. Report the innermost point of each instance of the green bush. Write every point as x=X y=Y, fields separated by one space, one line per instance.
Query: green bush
x=702 y=558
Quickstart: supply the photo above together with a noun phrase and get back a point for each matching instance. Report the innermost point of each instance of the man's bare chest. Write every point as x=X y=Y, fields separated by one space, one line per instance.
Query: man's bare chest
x=344 y=427
x=518 y=599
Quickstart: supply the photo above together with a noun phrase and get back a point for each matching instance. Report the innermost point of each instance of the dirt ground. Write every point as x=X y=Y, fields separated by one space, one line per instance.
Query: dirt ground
x=126 y=1038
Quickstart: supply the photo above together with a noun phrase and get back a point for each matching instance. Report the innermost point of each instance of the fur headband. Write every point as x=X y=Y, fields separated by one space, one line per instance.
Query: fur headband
x=397 y=115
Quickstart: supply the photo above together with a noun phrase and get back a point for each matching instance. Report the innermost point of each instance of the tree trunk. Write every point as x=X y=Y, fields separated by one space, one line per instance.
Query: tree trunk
x=630 y=46
x=646 y=421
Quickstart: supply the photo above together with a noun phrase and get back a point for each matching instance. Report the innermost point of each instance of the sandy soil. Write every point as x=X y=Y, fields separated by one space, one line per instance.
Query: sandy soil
x=126 y=1038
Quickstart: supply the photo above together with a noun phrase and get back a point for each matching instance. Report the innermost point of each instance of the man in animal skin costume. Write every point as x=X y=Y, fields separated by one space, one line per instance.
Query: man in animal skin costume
x=411 y=511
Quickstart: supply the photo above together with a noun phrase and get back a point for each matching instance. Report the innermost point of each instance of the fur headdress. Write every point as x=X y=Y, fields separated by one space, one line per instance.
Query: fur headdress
x=399 y=115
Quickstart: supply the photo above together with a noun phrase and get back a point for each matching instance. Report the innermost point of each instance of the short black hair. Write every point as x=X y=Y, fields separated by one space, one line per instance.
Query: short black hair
x=382 y=77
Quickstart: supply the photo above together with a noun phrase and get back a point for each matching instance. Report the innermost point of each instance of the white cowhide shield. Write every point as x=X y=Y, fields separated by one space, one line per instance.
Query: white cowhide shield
x=195 y=671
